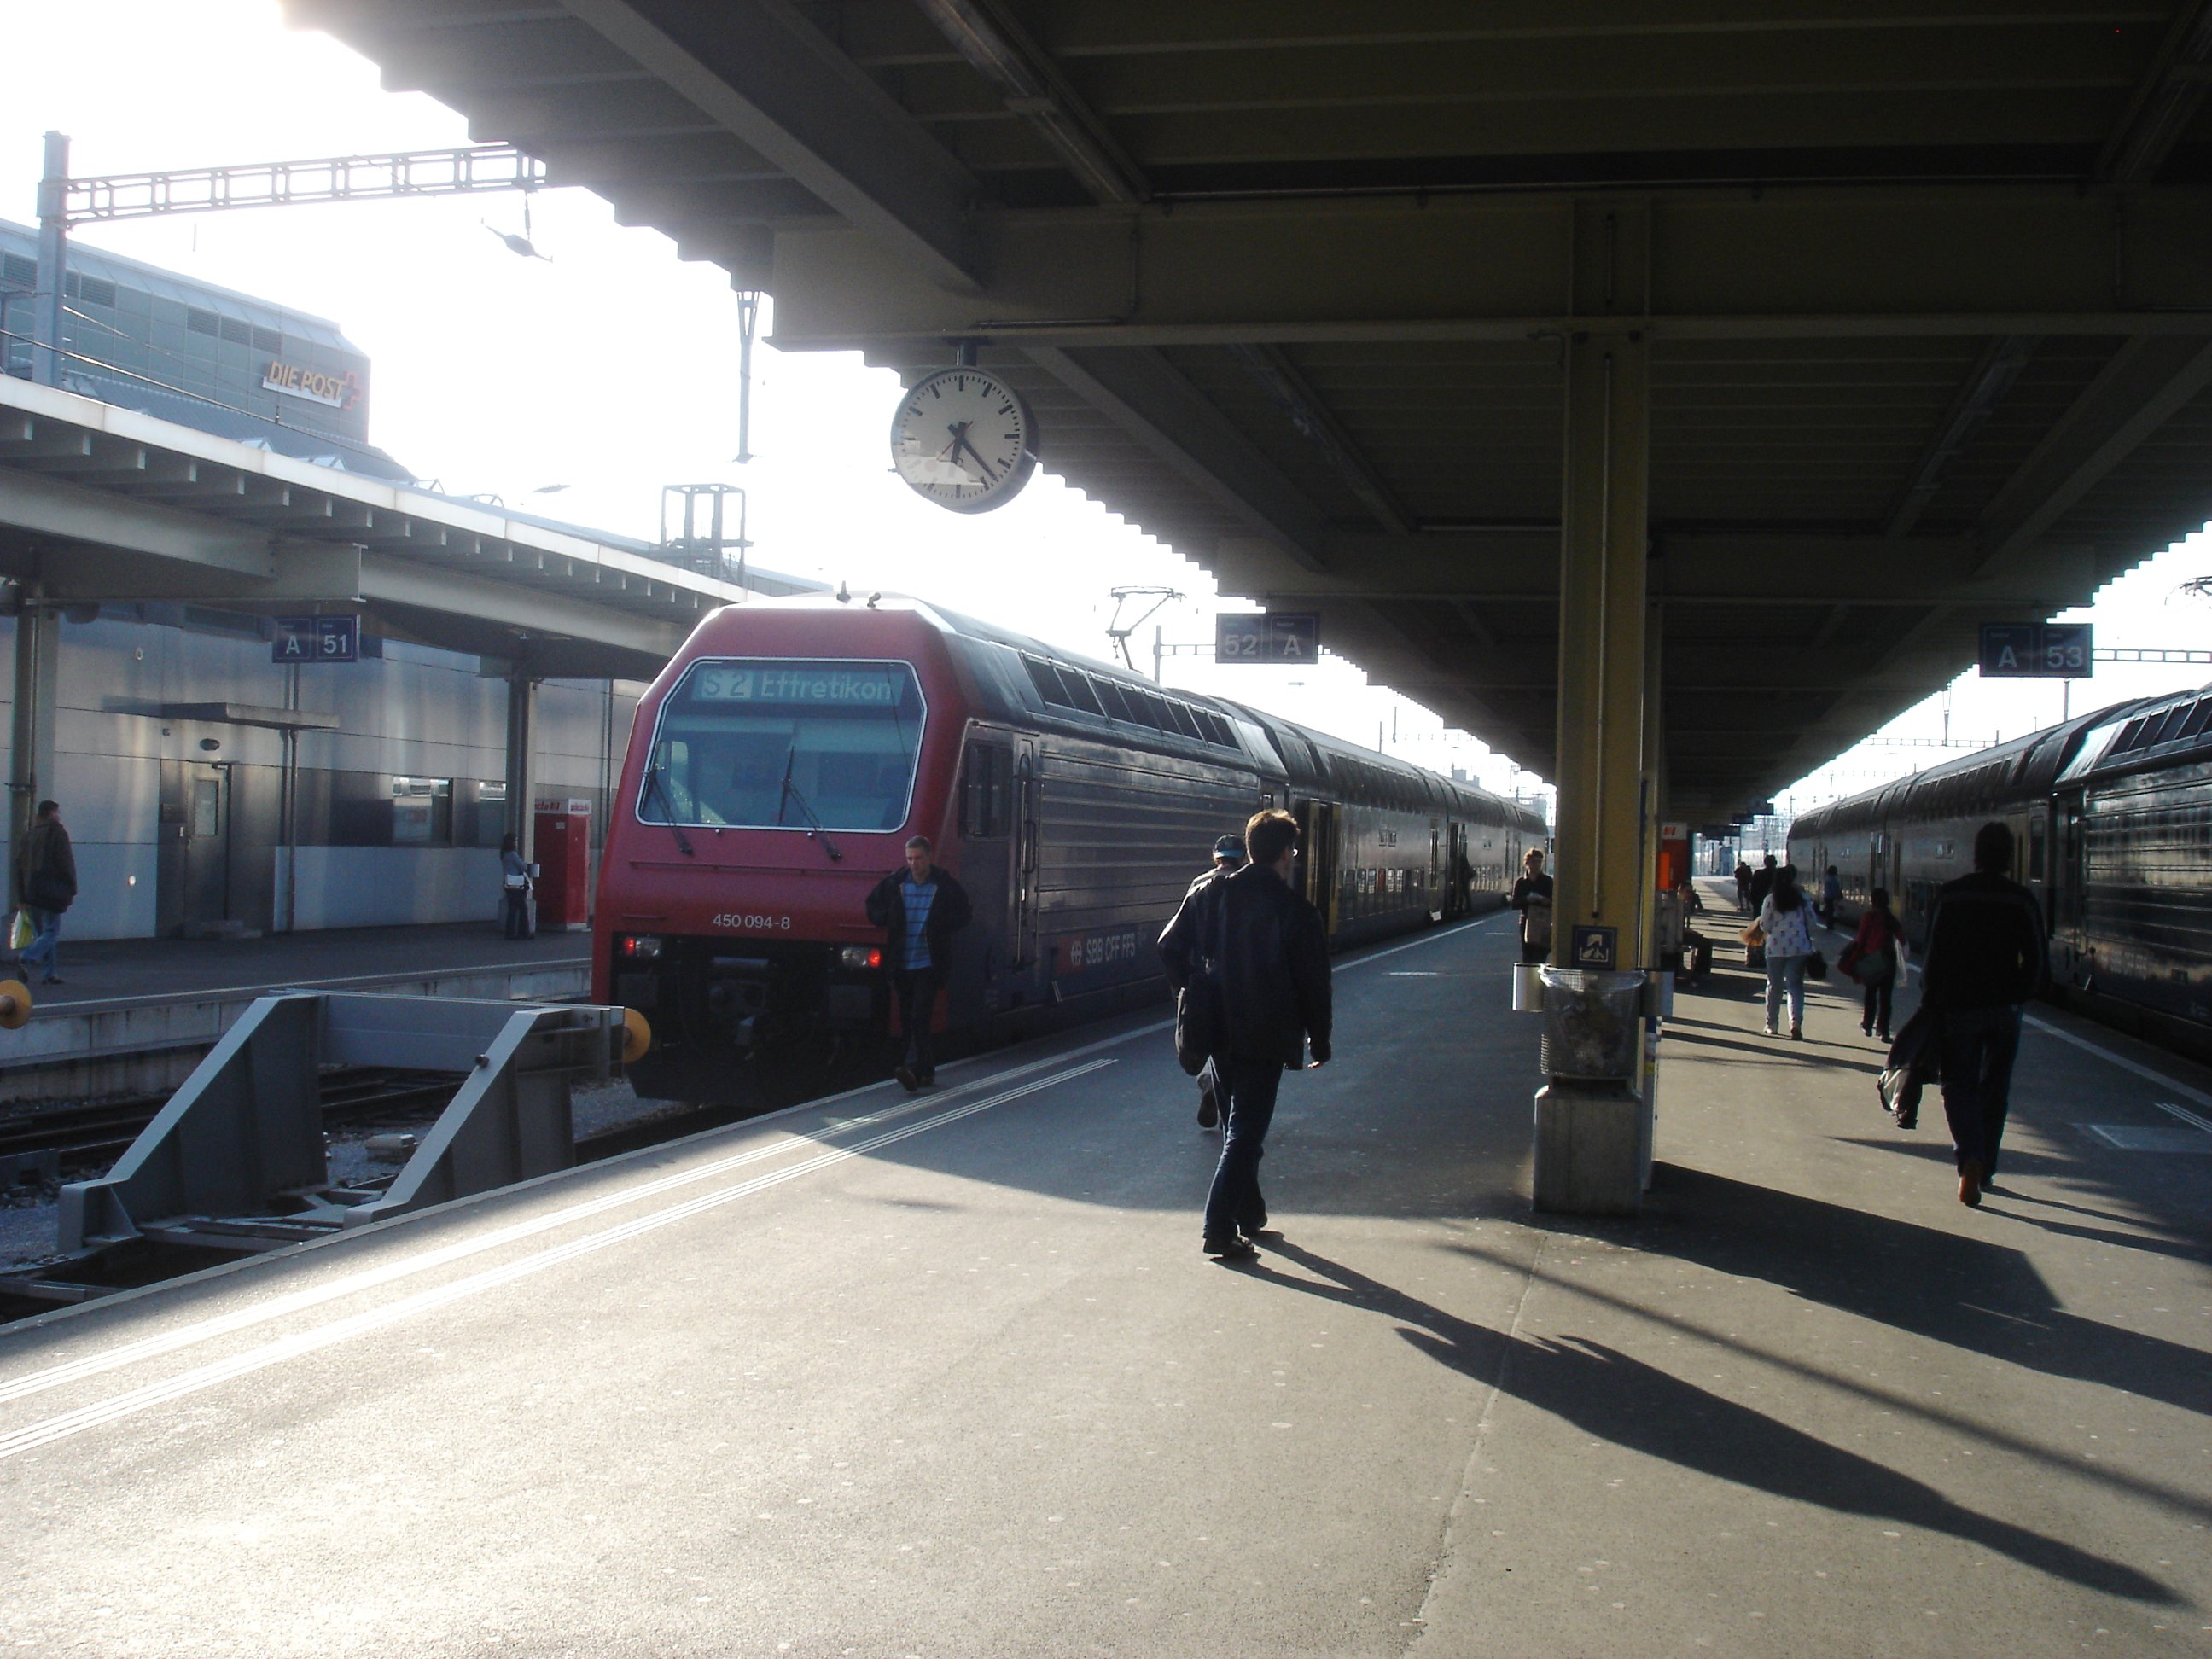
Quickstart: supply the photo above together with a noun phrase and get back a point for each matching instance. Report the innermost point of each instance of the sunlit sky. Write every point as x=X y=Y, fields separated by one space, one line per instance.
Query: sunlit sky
x=610 y=367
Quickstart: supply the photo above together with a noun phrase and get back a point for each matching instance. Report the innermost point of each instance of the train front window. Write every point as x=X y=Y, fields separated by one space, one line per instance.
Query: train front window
x=762 y=743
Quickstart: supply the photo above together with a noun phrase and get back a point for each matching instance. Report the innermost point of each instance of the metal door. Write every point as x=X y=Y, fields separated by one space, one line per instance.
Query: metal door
x=193 y=870
x=1027 y=788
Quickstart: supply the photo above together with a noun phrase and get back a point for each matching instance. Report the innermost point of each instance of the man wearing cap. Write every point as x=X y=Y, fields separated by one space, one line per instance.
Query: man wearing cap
x=1228 y=857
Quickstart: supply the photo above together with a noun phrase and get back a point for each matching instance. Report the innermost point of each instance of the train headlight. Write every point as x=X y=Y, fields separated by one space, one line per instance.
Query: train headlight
x=638 y=947
x=860 y=956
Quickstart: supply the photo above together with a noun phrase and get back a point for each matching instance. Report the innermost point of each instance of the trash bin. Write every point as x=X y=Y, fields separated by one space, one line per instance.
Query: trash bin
x=1591 y=1022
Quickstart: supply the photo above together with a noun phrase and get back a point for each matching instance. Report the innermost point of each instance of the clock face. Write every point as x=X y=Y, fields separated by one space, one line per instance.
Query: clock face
x=964 y=438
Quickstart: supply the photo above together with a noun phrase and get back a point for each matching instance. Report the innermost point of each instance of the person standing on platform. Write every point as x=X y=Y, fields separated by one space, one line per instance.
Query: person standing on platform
x=1228 y=858
x=1275 y=1003
x=45 y=885
x=1987 y=955
x=1873 y=957
x=1786 y=920
x=1762 y=884
x=1532 y=898
x=1832 y=894
x=1743 y=886
x=513 y=890
x=919 y=908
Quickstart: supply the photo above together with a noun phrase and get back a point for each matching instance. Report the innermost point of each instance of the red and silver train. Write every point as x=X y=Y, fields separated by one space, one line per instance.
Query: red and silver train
x=780 y=763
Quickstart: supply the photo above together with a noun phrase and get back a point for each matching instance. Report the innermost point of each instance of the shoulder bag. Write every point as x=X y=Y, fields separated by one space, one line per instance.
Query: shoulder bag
x=1198 y=1018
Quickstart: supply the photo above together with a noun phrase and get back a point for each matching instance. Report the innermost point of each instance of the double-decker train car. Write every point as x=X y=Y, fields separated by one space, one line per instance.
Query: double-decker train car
x=2112 y=821
x=780 y=762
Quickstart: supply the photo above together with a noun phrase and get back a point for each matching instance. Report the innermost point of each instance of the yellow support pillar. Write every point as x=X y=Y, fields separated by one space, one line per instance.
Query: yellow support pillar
x=1591 y=1133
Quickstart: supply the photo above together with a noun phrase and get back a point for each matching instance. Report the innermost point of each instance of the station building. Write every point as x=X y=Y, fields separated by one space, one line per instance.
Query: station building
x=211 y=789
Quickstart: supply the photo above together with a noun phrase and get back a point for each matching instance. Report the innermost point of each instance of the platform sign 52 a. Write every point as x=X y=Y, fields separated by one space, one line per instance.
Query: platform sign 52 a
x=316 y=639
x=1274 y=637
x=2043 y=651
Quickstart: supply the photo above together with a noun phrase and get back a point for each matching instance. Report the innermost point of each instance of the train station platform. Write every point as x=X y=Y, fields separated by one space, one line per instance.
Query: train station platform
x=948 y=1373
x=134 y=1015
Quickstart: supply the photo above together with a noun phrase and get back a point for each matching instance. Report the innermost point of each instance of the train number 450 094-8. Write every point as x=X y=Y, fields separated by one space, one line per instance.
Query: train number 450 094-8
x=765 y=924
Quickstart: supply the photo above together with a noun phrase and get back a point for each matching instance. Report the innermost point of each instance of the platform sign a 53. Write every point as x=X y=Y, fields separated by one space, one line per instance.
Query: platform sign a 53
x=2043 y=651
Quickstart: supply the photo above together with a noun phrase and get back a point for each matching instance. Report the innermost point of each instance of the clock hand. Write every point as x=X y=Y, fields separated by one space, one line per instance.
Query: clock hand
x=989 y=477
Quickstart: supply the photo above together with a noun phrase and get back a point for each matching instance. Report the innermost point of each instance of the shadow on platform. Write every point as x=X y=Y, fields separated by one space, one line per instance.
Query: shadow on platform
x=1619 y=1399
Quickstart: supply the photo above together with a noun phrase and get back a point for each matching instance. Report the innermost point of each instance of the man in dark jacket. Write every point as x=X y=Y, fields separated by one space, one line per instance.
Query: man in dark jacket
x=919 y=908
x=1986 y=955
x=1762 y=884
x=45 y=885
x=1228 y=858
x=1273 y=979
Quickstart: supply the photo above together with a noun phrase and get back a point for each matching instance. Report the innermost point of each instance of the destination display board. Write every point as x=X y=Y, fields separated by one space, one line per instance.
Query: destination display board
x=811 y=684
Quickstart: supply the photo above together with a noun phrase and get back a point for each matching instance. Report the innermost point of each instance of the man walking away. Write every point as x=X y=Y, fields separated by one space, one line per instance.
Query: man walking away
x=45 y=885
x=919 y=908
x=1274 y=1001
x=1532 y=898
x=1228 y=857
x=1987 y=955
x=1762 y=884
x=1743 y=886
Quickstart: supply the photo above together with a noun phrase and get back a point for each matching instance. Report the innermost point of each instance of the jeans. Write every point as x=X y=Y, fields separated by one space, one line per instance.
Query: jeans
x=1877 y=1003
x=514 y=912
x=1978 y=1046
x=1780 y=971
x=47 y=946
x=917 y=1006
x=1249 y=1107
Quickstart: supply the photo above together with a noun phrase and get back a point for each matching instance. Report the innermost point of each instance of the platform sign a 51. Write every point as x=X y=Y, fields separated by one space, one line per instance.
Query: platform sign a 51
x=316 y=639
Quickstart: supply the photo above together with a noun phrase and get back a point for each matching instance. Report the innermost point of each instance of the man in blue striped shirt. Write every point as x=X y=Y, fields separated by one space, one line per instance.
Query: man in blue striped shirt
x=919 y=908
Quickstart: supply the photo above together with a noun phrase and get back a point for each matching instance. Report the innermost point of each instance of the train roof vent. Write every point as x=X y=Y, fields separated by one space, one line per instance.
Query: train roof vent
x=2170 y=728
x=1117 y=706
x=1046 y=678
x=1080 y=691
x=2199 y=717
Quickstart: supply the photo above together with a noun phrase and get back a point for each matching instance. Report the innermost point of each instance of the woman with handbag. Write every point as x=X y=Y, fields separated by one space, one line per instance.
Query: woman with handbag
x=1785 y=921
x=1873 y=957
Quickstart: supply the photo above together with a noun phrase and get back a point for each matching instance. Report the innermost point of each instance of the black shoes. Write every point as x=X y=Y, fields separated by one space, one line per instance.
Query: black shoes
x=1229 y=1249
x=907 y=1075
x=1253 y=1226
x=1971 y=1181
x=1209 y=1108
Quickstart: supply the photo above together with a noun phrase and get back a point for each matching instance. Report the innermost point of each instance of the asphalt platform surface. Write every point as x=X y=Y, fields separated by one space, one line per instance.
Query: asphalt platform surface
x=948 y=1374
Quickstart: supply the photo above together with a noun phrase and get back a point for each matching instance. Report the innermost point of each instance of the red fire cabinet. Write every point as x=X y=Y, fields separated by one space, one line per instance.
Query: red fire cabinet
x=562 y=850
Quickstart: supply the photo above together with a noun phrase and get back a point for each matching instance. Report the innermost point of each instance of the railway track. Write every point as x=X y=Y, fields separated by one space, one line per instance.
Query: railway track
x=83 y=1134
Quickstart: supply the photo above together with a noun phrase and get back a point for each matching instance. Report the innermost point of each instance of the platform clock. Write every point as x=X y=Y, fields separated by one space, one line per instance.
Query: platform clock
x=964 y=438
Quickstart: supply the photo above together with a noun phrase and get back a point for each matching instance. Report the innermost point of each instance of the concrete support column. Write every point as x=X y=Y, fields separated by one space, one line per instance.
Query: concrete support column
x=1591 y=1133
x=53 y=263
x=521 y=773
x=30 y=754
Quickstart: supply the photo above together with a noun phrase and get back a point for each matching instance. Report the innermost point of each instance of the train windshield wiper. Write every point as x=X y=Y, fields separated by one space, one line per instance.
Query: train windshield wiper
x=655 y=785
x=790 y=792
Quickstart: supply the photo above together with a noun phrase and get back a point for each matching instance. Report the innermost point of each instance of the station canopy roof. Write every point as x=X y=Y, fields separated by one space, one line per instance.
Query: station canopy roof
x=1929 y=292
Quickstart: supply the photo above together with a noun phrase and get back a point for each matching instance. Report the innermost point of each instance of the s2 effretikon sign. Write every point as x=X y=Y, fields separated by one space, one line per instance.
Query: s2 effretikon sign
x=1274 y=637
